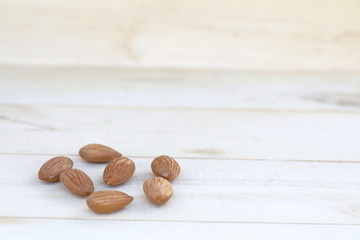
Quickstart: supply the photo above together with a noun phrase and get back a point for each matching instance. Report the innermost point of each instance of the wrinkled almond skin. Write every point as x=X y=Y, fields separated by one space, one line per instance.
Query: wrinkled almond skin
x=50 y=171
x=108 y=201
x=118 y=171
x=166 y=167
x=98 y=153
x=158 y=190
x=77 y=181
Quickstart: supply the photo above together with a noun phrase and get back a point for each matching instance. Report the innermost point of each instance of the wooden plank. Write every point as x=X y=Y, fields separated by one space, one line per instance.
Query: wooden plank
x=171 y=88
x=200 y=133
x=43 y=228
x=311 y=35
x=207 y=190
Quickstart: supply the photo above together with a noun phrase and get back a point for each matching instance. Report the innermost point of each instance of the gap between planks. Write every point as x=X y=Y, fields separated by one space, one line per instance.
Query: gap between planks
x=197 y=158
x=214 y=109
x=176 y=69
x=179 y=221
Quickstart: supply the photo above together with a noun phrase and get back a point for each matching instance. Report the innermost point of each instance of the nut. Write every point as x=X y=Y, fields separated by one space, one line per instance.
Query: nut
x=158 y=190
x=108 y=201
x=98 y=153
x=166 y=167
x=118 y=171
x=50 y=171
x=77 y=181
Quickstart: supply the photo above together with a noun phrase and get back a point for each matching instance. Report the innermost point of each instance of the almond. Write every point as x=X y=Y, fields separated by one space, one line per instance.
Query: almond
x=108 y=201
x=98 y=153
x=77 y=181
x=50 y=171
x=118 y=171
x=158 y=190
x=166 y=167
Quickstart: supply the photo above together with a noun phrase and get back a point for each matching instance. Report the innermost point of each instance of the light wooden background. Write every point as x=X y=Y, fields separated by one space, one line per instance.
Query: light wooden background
x=258 y=101
x=275 y=35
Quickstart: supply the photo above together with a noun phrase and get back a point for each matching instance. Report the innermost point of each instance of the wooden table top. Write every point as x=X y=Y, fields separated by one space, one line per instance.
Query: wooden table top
x=263 y=156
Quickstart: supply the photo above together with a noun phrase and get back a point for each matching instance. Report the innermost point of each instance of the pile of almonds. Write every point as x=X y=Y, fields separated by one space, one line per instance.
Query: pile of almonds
x=119 y=169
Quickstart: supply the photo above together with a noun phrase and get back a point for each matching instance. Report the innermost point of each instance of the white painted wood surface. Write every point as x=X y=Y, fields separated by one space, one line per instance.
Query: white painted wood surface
x=270 y=156
x=273 y=35
x=179 y=88
x=183 y=132
x=60 y=229
x=217 y=190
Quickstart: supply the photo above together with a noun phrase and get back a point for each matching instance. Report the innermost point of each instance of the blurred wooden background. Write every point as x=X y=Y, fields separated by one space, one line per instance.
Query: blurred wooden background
x=275 y=35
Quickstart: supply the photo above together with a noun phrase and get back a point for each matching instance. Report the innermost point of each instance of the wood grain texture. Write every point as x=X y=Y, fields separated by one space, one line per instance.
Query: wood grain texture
x=276 y=35
x=181 y=89
x=98 y=229
x=270 y=156
x=200 y=133
x=206 y=191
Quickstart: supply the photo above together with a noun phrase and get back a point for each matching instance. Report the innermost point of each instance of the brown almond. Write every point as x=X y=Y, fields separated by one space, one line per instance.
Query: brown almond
x=108 y=201
x=50 y=171
x=98 y=153
x=118 y=171
x=77 y=181
x=166 y=167
x=158 y=190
